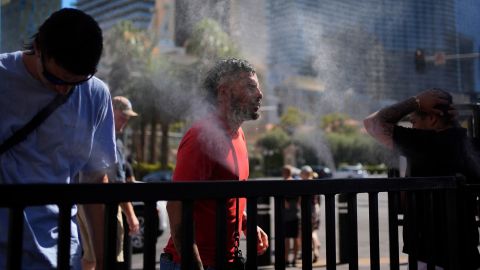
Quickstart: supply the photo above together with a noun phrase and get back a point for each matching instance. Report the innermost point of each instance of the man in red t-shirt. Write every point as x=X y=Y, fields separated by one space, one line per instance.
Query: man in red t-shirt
x=214 y=148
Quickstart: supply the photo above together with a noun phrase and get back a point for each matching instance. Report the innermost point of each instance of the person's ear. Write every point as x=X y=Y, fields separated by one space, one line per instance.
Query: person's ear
x=222 y=92
x=433 y=119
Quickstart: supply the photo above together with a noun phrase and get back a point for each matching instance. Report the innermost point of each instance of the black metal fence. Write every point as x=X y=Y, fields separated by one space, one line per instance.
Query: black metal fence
x=17 y=197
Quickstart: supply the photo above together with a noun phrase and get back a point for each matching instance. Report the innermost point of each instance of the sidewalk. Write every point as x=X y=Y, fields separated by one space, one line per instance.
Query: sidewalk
x=363 y=263
x=363 y=239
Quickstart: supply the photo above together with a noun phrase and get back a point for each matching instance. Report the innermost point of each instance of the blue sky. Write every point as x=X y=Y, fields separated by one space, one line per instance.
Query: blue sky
x=68 y=3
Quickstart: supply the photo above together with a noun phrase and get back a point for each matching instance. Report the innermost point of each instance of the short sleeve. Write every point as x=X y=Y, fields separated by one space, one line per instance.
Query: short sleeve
x=103 y=154
x=192 y=161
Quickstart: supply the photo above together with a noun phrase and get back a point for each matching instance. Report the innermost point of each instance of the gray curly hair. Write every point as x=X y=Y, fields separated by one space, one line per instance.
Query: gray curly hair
x=223 y=69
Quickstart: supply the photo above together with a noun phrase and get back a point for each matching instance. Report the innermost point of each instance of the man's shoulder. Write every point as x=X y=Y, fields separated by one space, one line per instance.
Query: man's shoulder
x=96 y=92
x=205 y=127
x=96 y=85
x=406 y=134
x=9 y=61
x=10 y=55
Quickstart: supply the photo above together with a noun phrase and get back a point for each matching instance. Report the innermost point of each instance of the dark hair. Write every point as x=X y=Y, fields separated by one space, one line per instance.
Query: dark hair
x=223 y=69
x=72 y=38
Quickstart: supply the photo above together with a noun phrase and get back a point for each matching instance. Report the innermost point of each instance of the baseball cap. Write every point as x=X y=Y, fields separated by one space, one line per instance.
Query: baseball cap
x=123 y=104
x=306 y=169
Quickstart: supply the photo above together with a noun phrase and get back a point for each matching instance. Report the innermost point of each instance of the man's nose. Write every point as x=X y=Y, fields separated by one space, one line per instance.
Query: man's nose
x=259 y=94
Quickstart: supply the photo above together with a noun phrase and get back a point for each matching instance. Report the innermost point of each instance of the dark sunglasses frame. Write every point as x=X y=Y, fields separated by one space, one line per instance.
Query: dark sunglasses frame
x=57 y=81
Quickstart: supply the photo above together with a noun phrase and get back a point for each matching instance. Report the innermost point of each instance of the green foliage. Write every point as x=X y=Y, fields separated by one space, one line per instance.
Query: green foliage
x=347 y=144
x=376 y=169
x=292 y=118
x=337 y=122
x=275 y=140
x=354 y=148
x=272 y=143
x=142 y=168
x=255 y=165
x=209 y=41
x=127 y=51
x=306 y=154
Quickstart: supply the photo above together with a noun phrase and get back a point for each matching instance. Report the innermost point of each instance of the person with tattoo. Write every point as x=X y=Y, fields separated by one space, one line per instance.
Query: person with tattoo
x=436 y=145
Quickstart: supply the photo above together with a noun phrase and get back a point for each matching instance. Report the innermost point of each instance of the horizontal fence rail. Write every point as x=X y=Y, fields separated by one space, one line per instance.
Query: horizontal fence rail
x=39 y=194
x=188 y=192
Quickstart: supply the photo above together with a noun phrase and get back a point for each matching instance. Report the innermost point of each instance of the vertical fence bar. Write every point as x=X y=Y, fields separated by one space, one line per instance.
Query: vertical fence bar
x=150 y=234
x=221 y=236
x=306 y=232
x=343 y=240
x=430 y=237
x=411 y=222
x=110 y=236
x=452 y=229
x=127 y=245
x=353 y=231
x=330 y=231
x=393 y=230
x=64 y=232
x=374 y=238
x=280 y=233
x=15 y=238
x=251 y=233
x=187 y=232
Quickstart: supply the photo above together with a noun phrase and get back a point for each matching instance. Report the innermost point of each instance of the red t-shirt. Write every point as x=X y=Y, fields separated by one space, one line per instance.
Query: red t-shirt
x=208 y=153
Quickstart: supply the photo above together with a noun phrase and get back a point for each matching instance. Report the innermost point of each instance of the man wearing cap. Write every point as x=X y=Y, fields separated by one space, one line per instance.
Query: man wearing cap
x=122 y=111
x=436 y=145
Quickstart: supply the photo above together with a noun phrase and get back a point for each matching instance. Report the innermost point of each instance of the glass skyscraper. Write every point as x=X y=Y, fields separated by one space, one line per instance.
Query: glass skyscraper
x=19 y=20
x=108 y=13
x=368 y=47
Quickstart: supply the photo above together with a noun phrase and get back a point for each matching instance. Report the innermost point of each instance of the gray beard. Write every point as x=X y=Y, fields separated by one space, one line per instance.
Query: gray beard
x=245 y=115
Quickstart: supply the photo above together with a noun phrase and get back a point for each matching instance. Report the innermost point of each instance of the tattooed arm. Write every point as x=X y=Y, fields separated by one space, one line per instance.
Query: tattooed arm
x=380 y=124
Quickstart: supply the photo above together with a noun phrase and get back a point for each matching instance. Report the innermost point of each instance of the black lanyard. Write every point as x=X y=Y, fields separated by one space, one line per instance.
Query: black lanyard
x=21 y=134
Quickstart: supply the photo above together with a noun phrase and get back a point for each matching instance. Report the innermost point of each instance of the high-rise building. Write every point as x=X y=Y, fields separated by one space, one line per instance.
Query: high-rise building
x=19 y=20
x=108 y=13
x=294 y=29
x=468 y=24
x=366 y=48
x=431 y=27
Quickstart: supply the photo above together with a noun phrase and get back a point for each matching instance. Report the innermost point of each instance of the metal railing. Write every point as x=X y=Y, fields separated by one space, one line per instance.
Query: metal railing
x=17 y=197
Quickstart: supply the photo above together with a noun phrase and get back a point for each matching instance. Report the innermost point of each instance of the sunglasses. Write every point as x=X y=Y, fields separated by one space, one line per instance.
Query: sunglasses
x=57 y=81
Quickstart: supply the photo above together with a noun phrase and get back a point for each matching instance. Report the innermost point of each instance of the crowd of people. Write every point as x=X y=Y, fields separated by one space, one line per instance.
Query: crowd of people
x=67 y=130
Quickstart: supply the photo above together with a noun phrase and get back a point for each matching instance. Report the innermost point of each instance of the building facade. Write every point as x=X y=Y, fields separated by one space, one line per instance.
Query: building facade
x=468 y=24
x=19 y=20
x=361 y=51
x=108 y=13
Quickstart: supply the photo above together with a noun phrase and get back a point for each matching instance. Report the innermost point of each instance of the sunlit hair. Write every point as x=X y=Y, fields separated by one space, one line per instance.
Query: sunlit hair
x=72 y=38
x=222 y=70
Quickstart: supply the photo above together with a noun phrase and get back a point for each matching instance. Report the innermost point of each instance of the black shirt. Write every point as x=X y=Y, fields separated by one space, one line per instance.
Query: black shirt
x=442 y=153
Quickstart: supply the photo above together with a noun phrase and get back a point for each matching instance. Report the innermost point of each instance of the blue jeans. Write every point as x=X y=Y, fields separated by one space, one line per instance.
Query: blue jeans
x=166 y=264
